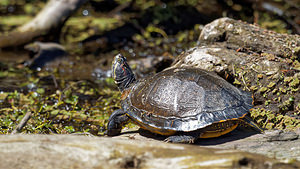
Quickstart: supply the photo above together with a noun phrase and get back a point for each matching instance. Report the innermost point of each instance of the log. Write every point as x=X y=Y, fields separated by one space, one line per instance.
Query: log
x=70 y=151
x=48 y=21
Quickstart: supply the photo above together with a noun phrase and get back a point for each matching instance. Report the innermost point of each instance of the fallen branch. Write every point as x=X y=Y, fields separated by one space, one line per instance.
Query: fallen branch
x=22 y=123
x=49 y=21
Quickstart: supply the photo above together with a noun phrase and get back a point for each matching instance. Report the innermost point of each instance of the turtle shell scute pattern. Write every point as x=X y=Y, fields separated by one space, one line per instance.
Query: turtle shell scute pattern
x=185 y=99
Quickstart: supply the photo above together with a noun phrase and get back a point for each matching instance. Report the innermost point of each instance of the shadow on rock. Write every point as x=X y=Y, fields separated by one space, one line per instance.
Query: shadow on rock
x=238 y=134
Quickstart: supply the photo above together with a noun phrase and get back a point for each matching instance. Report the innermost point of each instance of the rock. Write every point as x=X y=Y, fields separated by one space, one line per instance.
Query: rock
x=144 y=66
x=70 y=151
x=210 y=57
x=226 y=42
x=44 y=53
x=279 y=135
x=242 y=36
x=286 y=147
x=262 y=62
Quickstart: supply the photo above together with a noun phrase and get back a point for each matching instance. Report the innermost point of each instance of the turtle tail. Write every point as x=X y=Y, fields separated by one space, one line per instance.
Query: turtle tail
x=251 y=123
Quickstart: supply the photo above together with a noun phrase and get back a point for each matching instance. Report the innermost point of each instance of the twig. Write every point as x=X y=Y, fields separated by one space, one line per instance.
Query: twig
x=245 y=83
x=54 y=81
x=233 y=71
x=22 y=123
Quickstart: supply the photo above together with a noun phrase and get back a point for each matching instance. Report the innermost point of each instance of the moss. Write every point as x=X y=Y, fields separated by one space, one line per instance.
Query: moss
x=289 y=122
x=253 y=88
x=288 y=79
x=271 y=116
x=282 y=90
x=269 y=120
x=267 y=102
x=296 y=65
x=286 y=104
x=274 y=91
x=3 y=96
x=271 y=85
x=80 y=28
x=268 y=22
x=269 y=126
x=294 y=83
x=262 y=89
x=236 y=82
x=279 y=117
x=12 y=21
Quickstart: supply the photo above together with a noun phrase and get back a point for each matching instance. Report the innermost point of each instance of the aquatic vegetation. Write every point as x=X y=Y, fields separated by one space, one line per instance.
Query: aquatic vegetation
x=79 y=106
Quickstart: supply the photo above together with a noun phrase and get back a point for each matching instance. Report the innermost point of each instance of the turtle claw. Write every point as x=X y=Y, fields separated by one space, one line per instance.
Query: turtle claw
x=112 y=132
x=180 y=139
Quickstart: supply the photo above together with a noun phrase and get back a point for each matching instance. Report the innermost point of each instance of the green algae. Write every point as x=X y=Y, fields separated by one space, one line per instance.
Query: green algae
x=15 y=20
x=77 y=107
x=79 y=28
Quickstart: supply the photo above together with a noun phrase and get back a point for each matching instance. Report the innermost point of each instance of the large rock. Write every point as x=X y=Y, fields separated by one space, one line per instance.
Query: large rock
x=67 y=151
x=283 y=145
x=248 y=37
x=257 y=60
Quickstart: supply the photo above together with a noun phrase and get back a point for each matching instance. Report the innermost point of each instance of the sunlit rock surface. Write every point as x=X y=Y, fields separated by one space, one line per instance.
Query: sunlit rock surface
x=283 y=145
x=70 y=151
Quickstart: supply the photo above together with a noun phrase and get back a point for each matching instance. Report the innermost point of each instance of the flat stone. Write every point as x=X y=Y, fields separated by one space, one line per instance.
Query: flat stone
x=73 y=151
x=283 y=145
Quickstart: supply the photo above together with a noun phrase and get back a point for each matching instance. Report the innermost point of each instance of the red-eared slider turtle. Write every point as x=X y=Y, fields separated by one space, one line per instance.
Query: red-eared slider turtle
x=182 y=103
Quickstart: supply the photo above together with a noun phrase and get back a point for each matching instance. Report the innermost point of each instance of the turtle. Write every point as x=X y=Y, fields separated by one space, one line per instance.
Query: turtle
x=183 y=104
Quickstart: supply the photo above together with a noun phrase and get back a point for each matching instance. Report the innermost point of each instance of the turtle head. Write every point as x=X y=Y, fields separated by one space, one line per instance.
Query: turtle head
x=121 y=72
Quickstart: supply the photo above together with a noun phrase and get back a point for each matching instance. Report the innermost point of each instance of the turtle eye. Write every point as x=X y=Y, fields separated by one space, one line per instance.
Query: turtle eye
x=122 y=59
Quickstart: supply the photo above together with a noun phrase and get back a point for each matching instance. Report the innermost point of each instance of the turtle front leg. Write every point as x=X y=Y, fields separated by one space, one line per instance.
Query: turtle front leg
x=184 y=138
x=115 y=122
